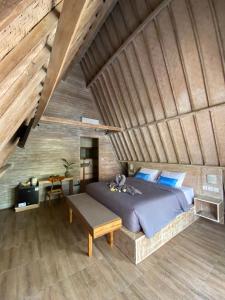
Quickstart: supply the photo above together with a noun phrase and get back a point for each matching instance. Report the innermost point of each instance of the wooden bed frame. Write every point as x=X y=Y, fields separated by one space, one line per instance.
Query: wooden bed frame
x=135 y=245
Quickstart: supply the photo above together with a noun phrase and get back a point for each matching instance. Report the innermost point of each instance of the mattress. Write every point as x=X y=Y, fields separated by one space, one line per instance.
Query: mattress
x=155 y=208
x=188 y=193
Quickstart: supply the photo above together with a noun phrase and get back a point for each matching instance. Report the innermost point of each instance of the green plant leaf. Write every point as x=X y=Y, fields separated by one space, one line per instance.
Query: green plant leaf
x=65 y=161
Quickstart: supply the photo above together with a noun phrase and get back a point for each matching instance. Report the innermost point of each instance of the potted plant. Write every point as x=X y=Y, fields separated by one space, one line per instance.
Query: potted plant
x=68 y=166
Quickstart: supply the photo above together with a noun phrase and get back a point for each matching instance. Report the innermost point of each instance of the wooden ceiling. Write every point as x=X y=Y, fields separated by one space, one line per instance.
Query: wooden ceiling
x=165 y=85
x=156 y=68
x=124 y=19
x=78 y=19
x=27 y=34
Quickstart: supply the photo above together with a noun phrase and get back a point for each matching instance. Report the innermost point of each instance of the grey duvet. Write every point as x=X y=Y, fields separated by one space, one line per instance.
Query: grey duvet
x=150 y=212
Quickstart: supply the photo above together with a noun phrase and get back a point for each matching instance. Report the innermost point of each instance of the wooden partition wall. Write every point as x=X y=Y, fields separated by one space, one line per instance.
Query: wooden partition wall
x=166 y=84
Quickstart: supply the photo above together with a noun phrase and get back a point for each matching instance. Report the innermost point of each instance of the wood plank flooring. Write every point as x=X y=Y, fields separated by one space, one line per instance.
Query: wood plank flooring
x=42 y=257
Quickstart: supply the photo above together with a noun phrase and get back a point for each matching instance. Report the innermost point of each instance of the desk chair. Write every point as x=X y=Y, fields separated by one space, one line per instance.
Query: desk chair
x=55 y=188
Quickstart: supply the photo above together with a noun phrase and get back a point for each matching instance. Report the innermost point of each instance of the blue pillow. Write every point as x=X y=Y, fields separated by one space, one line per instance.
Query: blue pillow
x=167 y=181
x=143 y=176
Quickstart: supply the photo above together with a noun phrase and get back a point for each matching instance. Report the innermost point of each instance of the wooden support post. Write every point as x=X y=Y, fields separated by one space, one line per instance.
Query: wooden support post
x=110 y=238
x=90 y=244
x=70 y=215
x=71 y=187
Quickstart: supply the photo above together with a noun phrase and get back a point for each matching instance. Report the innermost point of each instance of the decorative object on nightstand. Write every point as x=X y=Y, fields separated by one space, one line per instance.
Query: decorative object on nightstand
x=209 y=208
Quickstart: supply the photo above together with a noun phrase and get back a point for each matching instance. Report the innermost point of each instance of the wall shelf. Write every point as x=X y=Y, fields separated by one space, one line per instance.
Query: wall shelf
x=74 y=123
x=209 y=208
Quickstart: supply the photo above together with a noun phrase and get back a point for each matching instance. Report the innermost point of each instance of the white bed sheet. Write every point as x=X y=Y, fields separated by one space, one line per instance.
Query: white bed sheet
x=189 y=193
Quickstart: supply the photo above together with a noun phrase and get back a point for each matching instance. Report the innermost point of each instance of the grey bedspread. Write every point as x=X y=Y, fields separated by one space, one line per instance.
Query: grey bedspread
x=150 y=212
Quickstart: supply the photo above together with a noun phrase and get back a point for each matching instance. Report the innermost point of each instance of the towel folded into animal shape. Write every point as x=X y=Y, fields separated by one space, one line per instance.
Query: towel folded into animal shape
x=118 y=185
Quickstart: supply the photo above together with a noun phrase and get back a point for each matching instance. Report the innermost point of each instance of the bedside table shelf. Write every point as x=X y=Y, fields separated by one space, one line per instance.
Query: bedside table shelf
x=209 y=208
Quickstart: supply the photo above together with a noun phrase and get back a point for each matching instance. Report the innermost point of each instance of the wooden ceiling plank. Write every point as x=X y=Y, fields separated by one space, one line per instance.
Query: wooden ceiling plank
x=21 y=83
x=65 y=34
x=115 y=147
x=23 y=23
x=130 y=37
x=11 y=9
x=12 y=128
x=8 y=150
x=99 y=19
x=124 y=151
x=63 y=121
x=37 y=37
x=14 y=116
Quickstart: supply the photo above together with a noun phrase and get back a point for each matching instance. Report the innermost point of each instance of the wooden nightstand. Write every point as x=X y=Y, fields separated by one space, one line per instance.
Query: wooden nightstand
x=209 y=208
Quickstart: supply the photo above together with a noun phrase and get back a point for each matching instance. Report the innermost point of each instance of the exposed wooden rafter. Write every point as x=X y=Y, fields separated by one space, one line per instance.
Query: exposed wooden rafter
x=66 y=31
x=78 y=25
x=158 y=82
x=99 y=19
x=63 y=121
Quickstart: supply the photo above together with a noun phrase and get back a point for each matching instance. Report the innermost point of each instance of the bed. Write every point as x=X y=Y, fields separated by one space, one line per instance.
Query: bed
x=142 y=234
x=135 y=244
x=150 y=212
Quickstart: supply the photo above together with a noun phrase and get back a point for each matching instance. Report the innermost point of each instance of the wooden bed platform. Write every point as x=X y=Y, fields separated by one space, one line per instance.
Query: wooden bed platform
x=137 y=247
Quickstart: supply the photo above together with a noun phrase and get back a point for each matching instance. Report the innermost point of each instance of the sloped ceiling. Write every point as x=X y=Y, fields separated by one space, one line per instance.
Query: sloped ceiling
x=26 y=39
x=165 y=85
x=27 y=32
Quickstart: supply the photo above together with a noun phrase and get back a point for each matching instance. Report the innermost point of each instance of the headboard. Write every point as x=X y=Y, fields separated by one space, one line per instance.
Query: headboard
x=205 y=180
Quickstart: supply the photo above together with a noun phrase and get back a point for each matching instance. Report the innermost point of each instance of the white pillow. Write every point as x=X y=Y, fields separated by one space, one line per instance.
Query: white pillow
x=175 y=175
x=154 y=174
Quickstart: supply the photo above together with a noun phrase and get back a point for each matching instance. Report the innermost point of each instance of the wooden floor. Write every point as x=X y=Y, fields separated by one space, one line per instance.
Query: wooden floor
x=43 y=257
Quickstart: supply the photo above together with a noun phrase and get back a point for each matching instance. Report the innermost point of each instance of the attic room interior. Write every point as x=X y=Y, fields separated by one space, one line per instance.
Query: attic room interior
x=112 y=149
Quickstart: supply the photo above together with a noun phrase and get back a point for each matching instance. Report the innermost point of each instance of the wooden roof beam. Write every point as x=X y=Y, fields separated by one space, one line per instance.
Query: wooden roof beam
x=63 y=121
x=76 y=53
x=66 y=31
x=16 y=113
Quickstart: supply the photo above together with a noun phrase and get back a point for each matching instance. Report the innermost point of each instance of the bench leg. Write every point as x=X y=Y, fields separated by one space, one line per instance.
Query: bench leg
x=70 y=215
x=110 y=238
x=90 y=244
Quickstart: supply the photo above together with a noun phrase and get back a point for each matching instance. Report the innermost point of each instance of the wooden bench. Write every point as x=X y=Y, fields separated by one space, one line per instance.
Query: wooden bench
x=95 y=217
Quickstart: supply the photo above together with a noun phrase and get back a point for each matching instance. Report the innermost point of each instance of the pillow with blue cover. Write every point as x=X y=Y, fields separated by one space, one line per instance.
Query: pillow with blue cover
x=173 y=179
x=147 y=174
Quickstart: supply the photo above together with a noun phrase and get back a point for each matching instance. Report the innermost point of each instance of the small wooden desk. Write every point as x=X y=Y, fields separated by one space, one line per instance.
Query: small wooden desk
x=69 y=179
x=95 y=217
